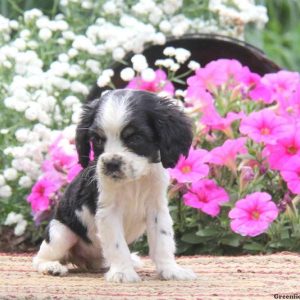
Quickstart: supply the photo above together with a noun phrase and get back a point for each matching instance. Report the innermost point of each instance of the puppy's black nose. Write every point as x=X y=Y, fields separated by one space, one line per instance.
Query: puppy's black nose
x=112 y=166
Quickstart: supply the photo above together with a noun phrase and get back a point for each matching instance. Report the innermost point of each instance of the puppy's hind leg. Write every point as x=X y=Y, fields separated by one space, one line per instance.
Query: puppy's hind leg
x=52 y=252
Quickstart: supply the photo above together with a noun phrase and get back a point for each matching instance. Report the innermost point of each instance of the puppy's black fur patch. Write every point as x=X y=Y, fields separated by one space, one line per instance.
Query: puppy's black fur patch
x=81 y=191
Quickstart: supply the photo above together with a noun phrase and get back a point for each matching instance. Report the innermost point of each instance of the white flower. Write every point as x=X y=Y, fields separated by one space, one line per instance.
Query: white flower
x=174 y=67
x=169 y=51
x=93 y=65
x=20 y=228
x=87 y=5
x=18 y=219
x=118 y=53
x=32 y=14
x=103 y=80
x=159 y=38
x=170 y=6
x=14 y=24
x=68 y=35
x=4 y=131
x=31 y=113
x=5 y=191
x=70 y=101
x=182 y=55
x=25 y=34
x=110 y=7
x=2 y=180
x=73 y=52
x=108 y=72
x=156 y=15
x=139 y=62
x=25 y=182
x=10 y=174
x=78 y=87
x=19 y=43
x=45 y=34
x=42 y=22
x=63 y=57
x=69 y=133
x=148 y=75
x=22 y=135
x=32 y=44
x=13 y=218
x=165 y=26
x=193 y=65
x=127 y=74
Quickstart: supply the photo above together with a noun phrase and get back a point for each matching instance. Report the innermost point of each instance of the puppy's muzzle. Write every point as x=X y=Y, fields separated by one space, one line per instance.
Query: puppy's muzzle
x=112 y=167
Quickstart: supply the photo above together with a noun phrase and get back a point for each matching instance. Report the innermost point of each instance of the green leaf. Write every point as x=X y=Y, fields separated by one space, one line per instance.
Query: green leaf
x=233 y=241
x=192 y=238
x=253 y=246
x=207 y=232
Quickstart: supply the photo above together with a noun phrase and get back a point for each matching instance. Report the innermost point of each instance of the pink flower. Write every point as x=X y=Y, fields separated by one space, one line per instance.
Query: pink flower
x=206 y=196
x=190 y=168
x=214 y=74
x=252 y=215
x=159 y=84
x=285 y=148
x=281 y=84
x=42 y=191
x=289 y=107
x=291 y=174
x=256 y=89
x=199 y=98
x=212 y=119
x=263 y=126
x=73 y=172
x=225 y=155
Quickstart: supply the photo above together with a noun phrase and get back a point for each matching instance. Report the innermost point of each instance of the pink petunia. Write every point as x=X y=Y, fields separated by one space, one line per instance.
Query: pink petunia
x=215 y=74
x=252 y=215
x=281 y=84
x=285 y=148
x=291 y=174
x=73 y=172
x=263 y=126
x=255 y=88
x=206 y=196
x=42 y=191
x=212 y=119
x=225 y=155
x=159 y=84
x=190 y=168
x=289 y=107
x=199 y=98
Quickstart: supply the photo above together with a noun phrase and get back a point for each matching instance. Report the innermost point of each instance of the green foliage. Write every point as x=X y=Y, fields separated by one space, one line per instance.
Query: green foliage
x=280 y=39
x=14 y=8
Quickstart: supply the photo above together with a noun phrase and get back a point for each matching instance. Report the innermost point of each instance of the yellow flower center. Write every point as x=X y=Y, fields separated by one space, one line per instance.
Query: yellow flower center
x=186 y=169
x=265 y=131
x=292 y=149
x=255 y=215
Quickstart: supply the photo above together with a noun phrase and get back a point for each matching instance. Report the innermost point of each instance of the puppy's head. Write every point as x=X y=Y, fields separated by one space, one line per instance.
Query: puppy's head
x=130 y=130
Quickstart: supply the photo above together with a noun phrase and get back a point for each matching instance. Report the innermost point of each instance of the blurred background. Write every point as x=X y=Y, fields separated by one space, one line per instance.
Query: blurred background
x=280 y=39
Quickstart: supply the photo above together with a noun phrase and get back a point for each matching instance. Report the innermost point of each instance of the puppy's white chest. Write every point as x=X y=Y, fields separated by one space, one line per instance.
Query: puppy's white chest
x=133 y=209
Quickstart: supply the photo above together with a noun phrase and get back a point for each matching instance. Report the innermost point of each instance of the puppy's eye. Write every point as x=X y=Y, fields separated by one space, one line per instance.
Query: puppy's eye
x=98 y=140
x=134 y=138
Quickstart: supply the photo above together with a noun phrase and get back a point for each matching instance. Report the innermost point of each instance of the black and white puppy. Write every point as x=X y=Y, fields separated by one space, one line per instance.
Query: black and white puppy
x=122 y=193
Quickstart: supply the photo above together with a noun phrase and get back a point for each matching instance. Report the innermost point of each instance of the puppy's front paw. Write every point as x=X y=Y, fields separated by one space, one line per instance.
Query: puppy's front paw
x=50 y=267
x=175 y=272
x=122 y=275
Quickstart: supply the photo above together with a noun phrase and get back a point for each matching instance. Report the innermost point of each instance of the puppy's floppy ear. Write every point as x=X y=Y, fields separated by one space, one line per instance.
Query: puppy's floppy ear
x=82 y=139
x=174 y=131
